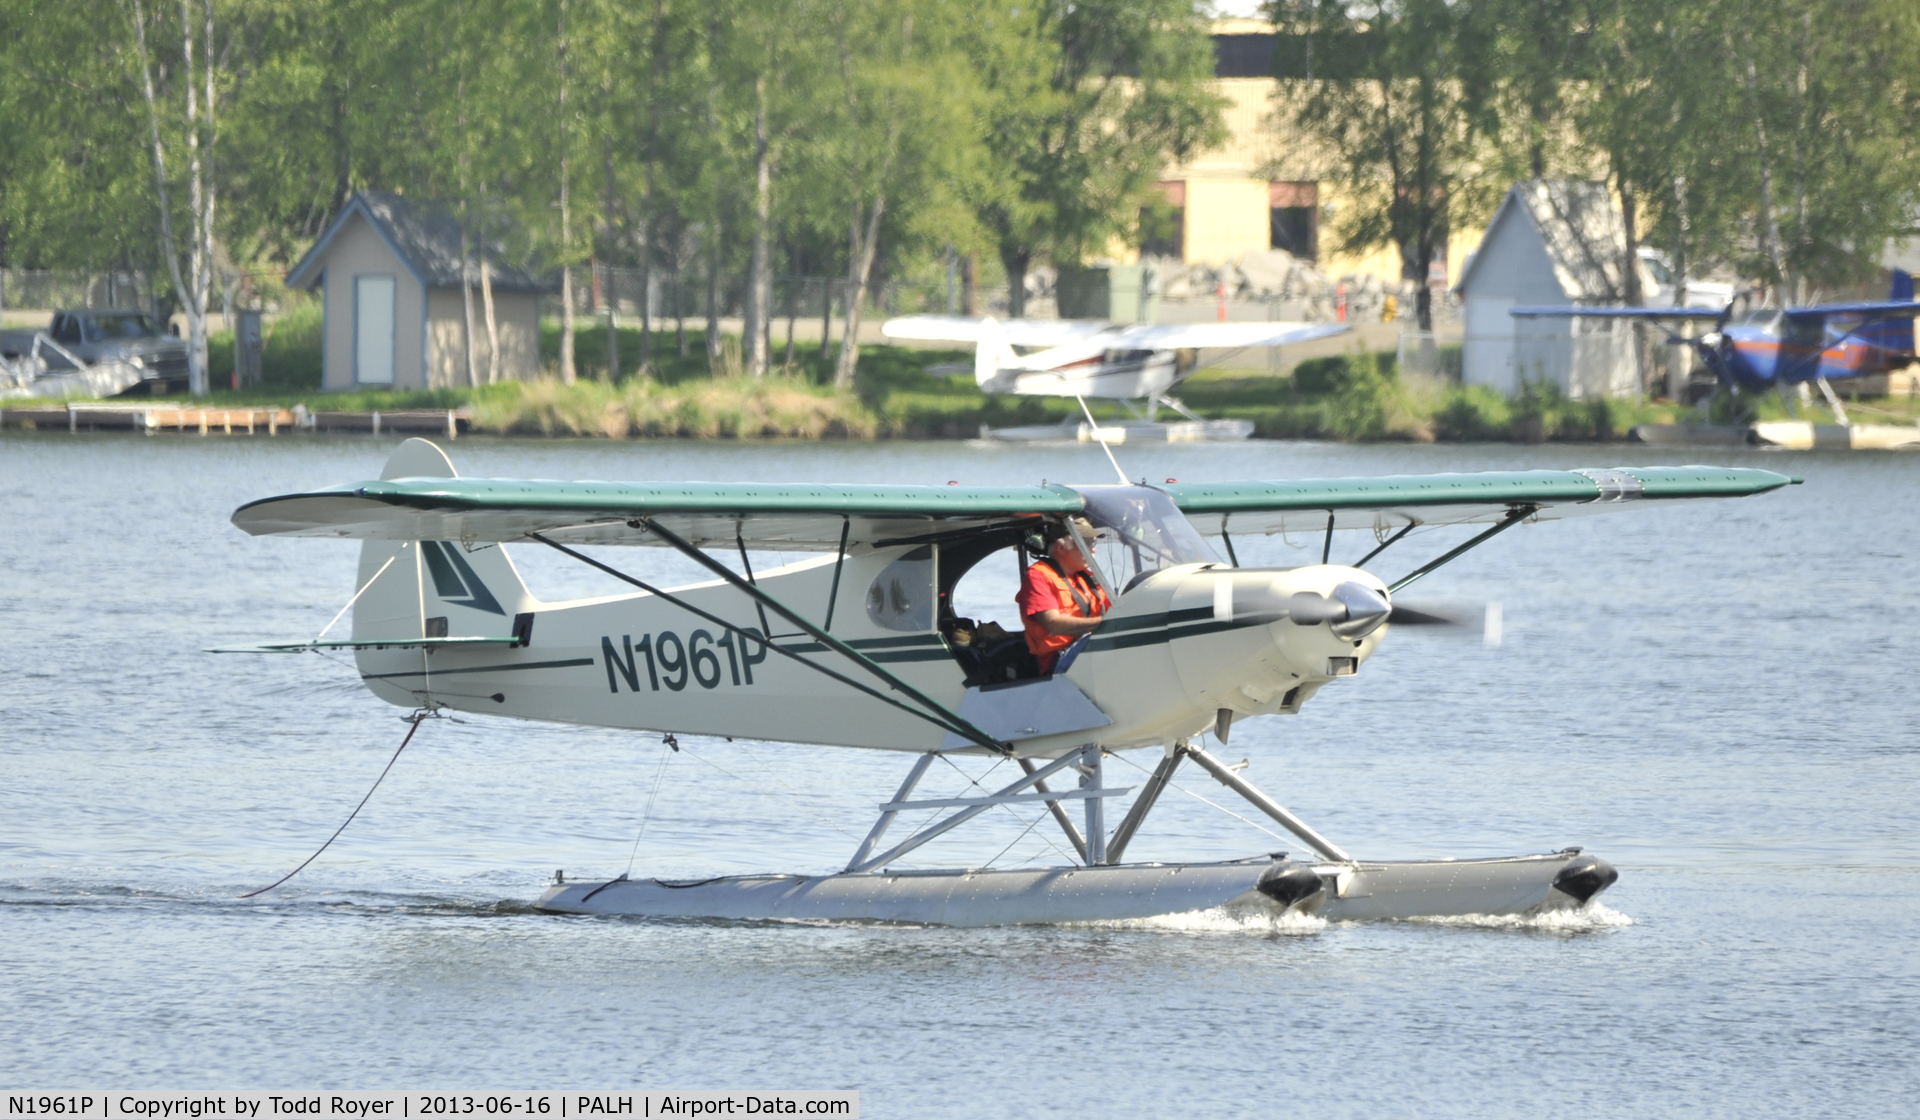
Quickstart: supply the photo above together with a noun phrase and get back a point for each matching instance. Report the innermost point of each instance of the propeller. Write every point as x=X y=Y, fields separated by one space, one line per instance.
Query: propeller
x=1455 y=620
x=1404 y=615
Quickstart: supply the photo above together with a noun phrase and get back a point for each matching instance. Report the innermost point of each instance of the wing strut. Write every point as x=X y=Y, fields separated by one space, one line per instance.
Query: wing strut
x=1384 y=545
x=957 y=725
x=839 y=561
x=1514 y=517
x=950 y=719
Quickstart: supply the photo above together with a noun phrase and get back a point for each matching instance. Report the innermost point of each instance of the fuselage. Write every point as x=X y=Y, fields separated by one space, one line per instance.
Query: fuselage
x=1773 y=349
x=1181 y=644
x=1106 y=374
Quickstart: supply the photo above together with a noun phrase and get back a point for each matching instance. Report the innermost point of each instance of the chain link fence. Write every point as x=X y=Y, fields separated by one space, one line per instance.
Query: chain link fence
x=43 y=290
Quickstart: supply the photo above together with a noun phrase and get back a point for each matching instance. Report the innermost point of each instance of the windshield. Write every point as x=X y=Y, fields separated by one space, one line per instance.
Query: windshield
x=1143 y=531
x=130 y=324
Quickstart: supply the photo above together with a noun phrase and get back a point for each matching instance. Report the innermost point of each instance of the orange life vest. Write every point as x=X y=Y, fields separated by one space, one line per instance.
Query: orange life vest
x=1046 y=589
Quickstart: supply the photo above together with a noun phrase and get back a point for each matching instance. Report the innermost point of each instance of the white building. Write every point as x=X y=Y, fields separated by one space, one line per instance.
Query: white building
x=1550 y=243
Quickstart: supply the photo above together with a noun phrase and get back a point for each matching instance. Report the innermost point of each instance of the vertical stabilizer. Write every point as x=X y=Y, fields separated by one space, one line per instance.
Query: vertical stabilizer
x=991 y=353
x=1894 y=335
x=434 y=589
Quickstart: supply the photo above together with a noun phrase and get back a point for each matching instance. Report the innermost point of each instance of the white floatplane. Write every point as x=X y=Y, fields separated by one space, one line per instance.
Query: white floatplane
x=860 y=647
x=1085 y=358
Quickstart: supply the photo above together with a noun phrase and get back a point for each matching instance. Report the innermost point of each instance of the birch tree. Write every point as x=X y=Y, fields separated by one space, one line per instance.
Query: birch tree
x=196 y=131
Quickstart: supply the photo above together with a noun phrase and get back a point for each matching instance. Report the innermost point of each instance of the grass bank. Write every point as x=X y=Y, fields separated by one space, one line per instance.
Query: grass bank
x=1356 y=397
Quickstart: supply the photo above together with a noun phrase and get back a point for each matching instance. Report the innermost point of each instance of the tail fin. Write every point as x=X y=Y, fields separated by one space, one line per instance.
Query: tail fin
x=1895 y=335
x=990 y=353
x=434 y=589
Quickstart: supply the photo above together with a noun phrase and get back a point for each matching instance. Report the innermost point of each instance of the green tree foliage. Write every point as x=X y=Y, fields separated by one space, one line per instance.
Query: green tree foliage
x=1404 y=101
x=1084 y=104
x=727 y=141
x=1779 y=138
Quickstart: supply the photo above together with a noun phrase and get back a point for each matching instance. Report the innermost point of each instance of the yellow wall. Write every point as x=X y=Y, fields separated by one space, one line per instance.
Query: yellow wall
x=1227 y=213
x=1225 y=218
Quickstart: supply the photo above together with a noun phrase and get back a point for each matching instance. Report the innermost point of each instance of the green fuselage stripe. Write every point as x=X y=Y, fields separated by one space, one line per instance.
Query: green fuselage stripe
x=567 y=664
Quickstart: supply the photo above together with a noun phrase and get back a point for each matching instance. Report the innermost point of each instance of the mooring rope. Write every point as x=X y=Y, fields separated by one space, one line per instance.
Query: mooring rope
x=416 y=719
x=668 y=748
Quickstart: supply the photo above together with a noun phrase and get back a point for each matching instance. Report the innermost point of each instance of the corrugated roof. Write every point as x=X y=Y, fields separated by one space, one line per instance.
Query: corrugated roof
x=426 y=236
x=1583 y=235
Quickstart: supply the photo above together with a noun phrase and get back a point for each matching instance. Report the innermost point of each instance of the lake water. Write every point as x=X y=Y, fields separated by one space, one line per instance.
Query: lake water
x=1718 y=698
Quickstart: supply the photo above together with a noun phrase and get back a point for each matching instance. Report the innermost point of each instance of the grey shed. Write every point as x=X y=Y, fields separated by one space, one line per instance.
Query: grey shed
x=1551 y=242
x=388 y=270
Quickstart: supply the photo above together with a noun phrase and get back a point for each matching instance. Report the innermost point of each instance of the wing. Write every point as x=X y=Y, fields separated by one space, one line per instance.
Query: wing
x=1220 y=336
x=1704 y=314
x=1017 y=332
x=781 y=518
x=1880 y=309
x=798 y=518
x=1395 y=501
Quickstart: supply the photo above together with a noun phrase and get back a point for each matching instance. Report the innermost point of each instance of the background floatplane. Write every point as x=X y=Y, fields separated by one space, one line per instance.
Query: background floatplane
x=859 y=646
x=1137 y=364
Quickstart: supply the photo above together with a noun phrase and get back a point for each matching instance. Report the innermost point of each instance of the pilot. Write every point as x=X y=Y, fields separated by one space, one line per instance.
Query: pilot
x=1059 y=599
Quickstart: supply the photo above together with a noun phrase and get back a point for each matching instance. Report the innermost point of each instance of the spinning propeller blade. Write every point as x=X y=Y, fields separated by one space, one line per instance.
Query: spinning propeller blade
x=1432 y=616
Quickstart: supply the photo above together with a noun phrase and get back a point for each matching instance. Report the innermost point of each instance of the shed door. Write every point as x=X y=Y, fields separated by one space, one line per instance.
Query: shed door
x=1487 y=356
x=373 y=330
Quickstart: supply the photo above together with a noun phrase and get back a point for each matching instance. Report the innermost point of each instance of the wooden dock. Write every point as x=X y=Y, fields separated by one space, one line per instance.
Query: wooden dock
x=188 y=420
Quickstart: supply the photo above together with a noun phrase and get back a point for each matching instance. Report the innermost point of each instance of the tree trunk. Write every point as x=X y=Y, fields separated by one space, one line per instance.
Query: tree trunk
x=1769 y=220
x=656 y=57
x=826 y=315
x=1422 y=266
x=863 y=267
x=466 y=303
x=679 y=291
x=713 y=298
x=568 y=374
x=645 y=369
x=759 y=280
x=1681 y=230
x=493 y=329
x=793 y=312
x=1629 y=221
x=613 y=335
x=970 y=284
x=1016 y=262
x=198 y=266
x=612 y=298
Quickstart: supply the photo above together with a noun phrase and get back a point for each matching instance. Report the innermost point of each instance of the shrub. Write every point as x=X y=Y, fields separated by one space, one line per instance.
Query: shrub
x=1474 y=413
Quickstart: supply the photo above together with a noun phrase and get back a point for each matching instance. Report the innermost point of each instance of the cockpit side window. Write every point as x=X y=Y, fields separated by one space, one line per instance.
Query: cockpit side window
x=902 y=595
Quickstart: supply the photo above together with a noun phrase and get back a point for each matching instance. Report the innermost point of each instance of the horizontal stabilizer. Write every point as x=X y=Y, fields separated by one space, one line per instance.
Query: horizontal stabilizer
x=373 y=643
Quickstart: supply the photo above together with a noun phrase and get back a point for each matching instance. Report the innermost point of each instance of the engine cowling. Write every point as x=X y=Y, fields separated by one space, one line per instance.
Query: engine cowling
x=1267 y=639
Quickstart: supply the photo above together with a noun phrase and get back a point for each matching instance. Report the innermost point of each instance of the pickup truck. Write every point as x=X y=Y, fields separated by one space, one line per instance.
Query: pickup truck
x=152 y=360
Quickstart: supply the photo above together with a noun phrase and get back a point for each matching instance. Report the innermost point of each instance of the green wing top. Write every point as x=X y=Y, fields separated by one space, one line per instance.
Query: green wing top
x=1391 y=501
x=804 y=517
x=796 y=517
